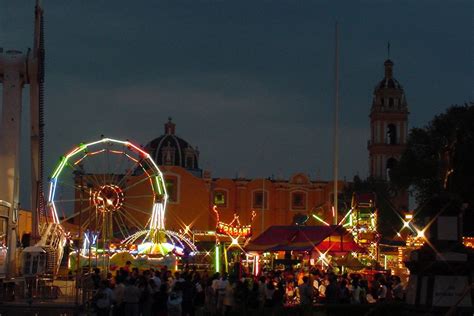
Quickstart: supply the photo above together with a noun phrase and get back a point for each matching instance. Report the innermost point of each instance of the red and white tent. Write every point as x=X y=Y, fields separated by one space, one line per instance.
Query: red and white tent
x=333 y=239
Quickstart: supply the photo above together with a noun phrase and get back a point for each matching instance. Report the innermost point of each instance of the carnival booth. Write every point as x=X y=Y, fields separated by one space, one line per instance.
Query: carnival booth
x=303 y=245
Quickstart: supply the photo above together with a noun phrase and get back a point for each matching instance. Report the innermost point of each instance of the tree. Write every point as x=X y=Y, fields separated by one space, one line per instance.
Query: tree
x=439 y=159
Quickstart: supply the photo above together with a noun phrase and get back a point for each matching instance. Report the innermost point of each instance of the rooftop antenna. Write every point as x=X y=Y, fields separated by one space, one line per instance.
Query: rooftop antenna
x=336 y=120
x=388 y=50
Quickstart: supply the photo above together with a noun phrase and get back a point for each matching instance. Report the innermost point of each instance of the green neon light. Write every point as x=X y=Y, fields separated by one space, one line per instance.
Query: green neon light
x=320 y=219
x=158 y=185
x=161 y=249
x=217 y=263
x=60 y=167
x=226 y=262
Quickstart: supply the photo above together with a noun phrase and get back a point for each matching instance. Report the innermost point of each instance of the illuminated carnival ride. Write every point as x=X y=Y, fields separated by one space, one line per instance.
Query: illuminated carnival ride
x=360 y=220
x=110 y=197
x=362 y=223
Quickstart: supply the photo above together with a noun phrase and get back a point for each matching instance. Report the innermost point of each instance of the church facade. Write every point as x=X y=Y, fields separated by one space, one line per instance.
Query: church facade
x=193 y=192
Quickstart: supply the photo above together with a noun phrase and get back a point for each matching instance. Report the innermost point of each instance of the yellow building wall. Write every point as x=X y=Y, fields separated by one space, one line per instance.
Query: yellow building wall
x=192 y=207
x=192 y=201
x=25 y=220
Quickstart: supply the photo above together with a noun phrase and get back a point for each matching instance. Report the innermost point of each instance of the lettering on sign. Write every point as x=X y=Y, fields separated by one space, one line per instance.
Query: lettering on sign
x=243 y=231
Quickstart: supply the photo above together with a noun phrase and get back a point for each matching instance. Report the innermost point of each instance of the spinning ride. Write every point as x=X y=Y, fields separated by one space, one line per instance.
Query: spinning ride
x=362 y=222
x=112 y=195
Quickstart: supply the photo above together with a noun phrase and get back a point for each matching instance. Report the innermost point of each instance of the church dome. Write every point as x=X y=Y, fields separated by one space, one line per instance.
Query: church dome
x=388 y=93
x=388 y=82
x=171 y=150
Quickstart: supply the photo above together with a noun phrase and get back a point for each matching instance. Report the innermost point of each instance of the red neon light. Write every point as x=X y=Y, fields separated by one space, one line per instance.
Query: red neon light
x=116 y=151
x=216 y=211
x=96 y=152
x=144 y=153
x=80 y=160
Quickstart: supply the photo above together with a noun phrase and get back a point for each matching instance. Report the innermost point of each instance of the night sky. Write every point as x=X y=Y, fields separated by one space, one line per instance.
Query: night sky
x=250 y=84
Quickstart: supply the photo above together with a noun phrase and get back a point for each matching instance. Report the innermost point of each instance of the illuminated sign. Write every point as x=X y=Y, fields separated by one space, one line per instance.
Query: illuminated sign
x=234 y=231
x=234 y=228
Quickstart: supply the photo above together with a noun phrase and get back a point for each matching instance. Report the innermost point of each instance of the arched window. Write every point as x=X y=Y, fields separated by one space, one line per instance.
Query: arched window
x=260 y=200
x=391 y=163
x=220 y=198
x=391 y=134
x=298 y=200
x=189 y=162
x=189 y=158
x=390 y=102
x=168 y=155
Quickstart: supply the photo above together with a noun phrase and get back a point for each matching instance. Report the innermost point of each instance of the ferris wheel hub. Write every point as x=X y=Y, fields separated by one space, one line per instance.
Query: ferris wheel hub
x=108 y=198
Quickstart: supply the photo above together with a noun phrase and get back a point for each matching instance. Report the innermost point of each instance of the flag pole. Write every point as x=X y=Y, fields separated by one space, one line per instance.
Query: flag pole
x=336 y=123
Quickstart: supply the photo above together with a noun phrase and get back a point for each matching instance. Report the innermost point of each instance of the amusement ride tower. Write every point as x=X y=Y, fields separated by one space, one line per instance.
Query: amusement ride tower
x=17 y=70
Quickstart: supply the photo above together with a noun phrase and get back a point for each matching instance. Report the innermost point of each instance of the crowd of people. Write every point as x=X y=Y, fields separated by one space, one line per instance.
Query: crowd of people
x=190 y=292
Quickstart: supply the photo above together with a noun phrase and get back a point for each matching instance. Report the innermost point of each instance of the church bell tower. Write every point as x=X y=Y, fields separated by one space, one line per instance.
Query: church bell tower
x=388 y=129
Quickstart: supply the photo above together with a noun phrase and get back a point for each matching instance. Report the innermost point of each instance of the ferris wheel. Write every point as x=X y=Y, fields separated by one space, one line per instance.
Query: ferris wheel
x=110 y=188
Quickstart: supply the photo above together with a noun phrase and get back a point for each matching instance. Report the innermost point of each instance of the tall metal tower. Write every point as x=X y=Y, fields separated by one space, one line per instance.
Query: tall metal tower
x=16 y=70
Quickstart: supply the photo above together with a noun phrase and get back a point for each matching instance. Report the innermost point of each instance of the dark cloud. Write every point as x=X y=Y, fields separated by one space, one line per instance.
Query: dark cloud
x=250 y=83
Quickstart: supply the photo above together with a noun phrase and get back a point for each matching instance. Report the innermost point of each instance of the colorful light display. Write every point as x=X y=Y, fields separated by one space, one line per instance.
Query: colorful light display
x=361 y=221
x=96 y=181
x=223 y=228
x=217 y=263
x=107 y=193
x=108 y=198
x=234 y=228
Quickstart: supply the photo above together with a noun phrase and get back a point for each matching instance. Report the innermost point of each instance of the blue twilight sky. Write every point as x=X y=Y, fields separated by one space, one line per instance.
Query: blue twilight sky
x=248 y=82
